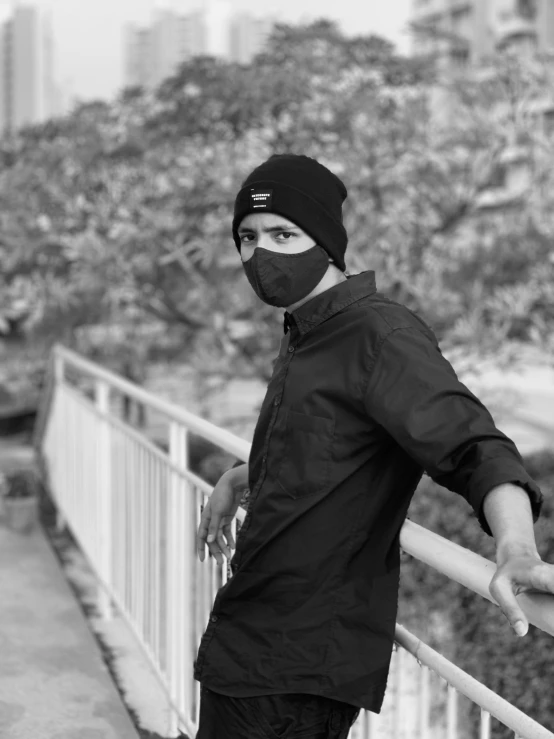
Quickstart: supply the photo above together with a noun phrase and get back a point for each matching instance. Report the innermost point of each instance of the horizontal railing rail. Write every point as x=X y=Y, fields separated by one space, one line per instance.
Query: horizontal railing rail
x=489 y=701
x=222 y=438
x=472 y=570
x=134 y=510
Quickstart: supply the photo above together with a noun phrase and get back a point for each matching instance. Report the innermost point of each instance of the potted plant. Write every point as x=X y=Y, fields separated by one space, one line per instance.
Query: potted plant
x=21 y=500
x=3 y=491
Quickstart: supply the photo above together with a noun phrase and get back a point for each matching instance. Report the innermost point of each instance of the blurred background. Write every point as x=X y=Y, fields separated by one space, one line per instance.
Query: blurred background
x=129 y=126
x=126 y=129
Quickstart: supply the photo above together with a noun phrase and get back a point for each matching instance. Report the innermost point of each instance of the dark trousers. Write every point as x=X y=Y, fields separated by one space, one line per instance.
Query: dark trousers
x=287 y=716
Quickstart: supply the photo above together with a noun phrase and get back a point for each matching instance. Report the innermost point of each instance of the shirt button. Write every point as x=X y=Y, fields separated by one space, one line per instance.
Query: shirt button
x=264 y=458
x=213 y=619
x=291 y=349
x=276 y=401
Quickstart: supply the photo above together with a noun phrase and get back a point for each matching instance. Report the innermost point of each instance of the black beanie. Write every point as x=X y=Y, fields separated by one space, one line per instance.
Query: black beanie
x=302 y=190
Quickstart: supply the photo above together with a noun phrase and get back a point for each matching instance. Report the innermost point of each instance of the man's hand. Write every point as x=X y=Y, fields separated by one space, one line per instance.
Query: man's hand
x=520 y=568
x=217 y=517
x=519 y=572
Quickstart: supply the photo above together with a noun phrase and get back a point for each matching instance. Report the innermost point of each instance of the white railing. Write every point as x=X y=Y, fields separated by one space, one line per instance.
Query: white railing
x=134 y=509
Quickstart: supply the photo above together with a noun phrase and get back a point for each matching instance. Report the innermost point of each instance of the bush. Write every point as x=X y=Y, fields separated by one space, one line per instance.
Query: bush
x=22 y=484
x=481 y=641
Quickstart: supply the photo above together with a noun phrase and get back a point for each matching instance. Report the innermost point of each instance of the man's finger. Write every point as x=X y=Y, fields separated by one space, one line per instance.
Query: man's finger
x=215 y=551
x=223 y=545
x=213 y=528
x=538 y=578
x=228 y=531
x=502 y=590
x=202 y=533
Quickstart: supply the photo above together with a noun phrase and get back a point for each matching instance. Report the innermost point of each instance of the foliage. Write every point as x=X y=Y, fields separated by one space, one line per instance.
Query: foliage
x=115 y=232
x=464 y=626
x=119 y=214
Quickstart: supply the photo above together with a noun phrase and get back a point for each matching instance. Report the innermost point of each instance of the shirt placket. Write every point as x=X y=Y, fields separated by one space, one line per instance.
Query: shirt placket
x=214 y=617
x=254 y=493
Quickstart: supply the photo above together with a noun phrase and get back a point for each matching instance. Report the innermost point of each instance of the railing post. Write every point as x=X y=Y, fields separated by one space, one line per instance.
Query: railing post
x=398 y=689
x=59 y=377
x=485 y=729
x=179 y=582
x=104 y=499
x=452 y=713
x=372 y=725
x=59 y=368
x=423 y=702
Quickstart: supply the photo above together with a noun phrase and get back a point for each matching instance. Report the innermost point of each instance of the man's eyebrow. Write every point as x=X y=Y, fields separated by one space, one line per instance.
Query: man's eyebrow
x=269 y=230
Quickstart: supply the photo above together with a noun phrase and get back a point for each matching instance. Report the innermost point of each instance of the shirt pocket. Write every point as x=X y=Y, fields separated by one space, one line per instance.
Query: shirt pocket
x=305 y=465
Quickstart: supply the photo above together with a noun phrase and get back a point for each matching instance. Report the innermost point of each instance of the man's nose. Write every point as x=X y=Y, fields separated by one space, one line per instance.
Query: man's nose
x=264 y=241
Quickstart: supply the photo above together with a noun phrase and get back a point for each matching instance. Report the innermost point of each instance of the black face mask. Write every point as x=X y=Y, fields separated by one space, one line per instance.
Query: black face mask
x=284 y=279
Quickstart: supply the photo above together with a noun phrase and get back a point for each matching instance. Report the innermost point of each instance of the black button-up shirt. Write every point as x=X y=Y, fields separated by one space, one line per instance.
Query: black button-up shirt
x=360 y=404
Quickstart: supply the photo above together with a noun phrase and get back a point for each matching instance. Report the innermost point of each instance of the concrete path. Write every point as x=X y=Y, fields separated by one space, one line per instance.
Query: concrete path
x=53 y=681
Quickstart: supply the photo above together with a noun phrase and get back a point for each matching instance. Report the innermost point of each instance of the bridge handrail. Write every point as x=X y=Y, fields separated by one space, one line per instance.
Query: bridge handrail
x=456 y=562
x=222 y=438
x=467 y=685
x=472 y=570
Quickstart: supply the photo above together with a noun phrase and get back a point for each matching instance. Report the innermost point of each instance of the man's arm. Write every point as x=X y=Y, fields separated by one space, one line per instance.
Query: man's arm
x=508 y=512
x=239 y=475
x=415 y=395
x=519 y=566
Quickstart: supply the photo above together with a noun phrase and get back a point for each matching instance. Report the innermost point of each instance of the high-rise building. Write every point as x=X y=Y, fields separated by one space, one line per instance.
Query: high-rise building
x=136 y=56
x=154 y=53
x=28 y=92
x=218 y=17
x=545 y=24
x=470 y=30
x=464 y=32
x=193 y=34
x=5 y=76
x=247 y=36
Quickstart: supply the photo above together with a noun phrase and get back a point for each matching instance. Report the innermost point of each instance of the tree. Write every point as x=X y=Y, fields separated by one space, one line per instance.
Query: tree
x=126 y=207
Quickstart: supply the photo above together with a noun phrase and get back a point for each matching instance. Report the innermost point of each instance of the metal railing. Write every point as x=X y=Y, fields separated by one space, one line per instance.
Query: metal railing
x=134 y=509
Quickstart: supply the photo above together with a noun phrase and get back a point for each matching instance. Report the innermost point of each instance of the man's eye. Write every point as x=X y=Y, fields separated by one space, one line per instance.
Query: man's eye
x=285 y=233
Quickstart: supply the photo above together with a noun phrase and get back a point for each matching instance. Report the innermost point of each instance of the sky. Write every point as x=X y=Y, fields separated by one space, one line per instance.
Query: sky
x=88 y=33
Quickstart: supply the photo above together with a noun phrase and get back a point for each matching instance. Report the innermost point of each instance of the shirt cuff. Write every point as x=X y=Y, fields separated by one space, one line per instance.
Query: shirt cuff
x=497 y=472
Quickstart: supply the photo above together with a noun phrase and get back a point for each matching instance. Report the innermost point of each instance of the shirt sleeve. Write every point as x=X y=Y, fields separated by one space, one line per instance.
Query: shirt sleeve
x=414 y=393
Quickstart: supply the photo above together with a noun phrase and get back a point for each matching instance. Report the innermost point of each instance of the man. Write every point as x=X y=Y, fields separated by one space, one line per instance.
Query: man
x=360 y=404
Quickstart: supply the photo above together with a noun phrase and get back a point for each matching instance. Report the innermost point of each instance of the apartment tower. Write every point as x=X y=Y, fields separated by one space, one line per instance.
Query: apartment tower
x=154 y=53
x=471 y=30
x=28 y=93
x=248 y=36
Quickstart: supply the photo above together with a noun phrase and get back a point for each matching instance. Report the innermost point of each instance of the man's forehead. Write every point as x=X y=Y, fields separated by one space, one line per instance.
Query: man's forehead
x=264 y=220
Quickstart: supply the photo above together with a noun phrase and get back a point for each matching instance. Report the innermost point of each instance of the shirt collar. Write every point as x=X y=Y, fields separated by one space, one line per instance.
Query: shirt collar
x=331 y=301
